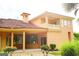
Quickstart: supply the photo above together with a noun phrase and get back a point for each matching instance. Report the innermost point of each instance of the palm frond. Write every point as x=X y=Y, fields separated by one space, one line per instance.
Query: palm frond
x=69 y=6
x=76 y=11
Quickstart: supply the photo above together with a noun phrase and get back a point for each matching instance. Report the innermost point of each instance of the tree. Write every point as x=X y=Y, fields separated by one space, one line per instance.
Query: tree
x=71 y=6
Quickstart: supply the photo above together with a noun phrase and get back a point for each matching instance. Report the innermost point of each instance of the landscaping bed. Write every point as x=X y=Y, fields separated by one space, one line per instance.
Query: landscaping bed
x=3 y=54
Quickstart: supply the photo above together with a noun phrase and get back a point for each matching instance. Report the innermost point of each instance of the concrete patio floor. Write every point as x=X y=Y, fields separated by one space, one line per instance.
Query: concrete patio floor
x=29 y=52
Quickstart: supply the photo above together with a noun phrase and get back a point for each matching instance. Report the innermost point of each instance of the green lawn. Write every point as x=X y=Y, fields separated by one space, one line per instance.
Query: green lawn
x=56 y=53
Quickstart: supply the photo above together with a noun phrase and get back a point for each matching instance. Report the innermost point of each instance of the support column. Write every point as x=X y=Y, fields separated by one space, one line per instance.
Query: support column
x=23 y=41
x=0 y=42
x=12 y=36
x=46 y=19
x=3 y=40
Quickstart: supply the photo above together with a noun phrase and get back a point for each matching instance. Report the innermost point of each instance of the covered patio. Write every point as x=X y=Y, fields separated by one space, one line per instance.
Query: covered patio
x=9 y=28
x=11 y=33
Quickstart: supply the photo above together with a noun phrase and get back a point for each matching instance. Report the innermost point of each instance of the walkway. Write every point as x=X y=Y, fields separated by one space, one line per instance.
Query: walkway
x=29 y=52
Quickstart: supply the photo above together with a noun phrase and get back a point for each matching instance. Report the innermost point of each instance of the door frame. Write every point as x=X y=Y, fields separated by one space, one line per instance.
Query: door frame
x=43 y=41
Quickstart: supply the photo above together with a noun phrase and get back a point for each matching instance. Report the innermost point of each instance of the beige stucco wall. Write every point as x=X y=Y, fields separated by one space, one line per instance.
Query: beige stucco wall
x=37 y=21
x=57 y=37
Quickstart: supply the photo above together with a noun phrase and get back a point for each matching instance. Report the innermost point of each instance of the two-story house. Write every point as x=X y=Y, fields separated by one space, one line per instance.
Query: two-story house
x=59 y=27
x=46 y=28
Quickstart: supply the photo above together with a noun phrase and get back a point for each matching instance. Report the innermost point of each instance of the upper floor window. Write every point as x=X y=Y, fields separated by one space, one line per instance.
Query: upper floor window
x=51 y=22
x=54 y=22
x=65 y=22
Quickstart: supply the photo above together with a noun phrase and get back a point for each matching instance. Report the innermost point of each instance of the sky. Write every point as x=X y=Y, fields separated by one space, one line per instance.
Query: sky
x=13 y=9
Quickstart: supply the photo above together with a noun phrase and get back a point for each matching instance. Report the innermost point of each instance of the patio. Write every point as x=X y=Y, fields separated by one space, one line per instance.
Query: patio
x=29 y=52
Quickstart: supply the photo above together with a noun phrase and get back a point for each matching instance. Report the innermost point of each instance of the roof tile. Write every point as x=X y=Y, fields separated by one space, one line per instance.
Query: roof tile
x=13 y=23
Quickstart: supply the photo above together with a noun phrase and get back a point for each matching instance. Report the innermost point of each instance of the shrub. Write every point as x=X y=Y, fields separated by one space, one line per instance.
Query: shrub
x=76 y=46
x=44 y=47
x=3 y=54
x=7 y=50
x=52 y=46
x=70 y=49
x=76 y=36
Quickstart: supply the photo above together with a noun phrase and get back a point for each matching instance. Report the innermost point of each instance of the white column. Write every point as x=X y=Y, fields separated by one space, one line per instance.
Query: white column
x=46 y=19
x=62 y=22
x=12 y=39
x=0 y=41
x=23 y=41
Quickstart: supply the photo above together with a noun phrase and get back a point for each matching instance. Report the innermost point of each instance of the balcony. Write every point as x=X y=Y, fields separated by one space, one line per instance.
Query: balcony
x=51 y=26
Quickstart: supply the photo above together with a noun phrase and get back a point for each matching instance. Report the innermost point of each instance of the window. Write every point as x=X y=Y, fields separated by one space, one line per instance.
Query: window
x=43 y=41
x=18 y=38
x=31 y=39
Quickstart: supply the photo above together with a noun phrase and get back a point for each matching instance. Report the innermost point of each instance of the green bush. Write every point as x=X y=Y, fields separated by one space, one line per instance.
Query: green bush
x=76 y=36
x=7 y=50
x=52 y=46
x=3 y=54
x=70 y=49
x=76 y=46
x=44 y=47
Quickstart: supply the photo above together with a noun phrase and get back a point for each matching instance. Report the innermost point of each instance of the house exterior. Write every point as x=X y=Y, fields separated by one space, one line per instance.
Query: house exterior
x=46 y=28
x=59 y=27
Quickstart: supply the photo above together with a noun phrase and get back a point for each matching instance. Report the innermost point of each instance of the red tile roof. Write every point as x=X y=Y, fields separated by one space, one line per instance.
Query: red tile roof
x=13 y=23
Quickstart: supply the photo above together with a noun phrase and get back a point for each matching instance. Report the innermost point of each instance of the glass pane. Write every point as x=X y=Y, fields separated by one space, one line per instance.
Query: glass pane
x=31 y=39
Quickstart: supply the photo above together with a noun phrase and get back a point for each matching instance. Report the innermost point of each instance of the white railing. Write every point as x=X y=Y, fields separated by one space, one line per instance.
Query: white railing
x=51 y=26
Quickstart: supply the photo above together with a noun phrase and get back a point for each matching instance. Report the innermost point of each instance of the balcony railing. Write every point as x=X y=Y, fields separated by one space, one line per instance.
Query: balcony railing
x=51 y=26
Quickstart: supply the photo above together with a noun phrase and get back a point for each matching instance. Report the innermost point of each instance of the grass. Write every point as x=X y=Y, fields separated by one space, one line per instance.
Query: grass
x=56 y=53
